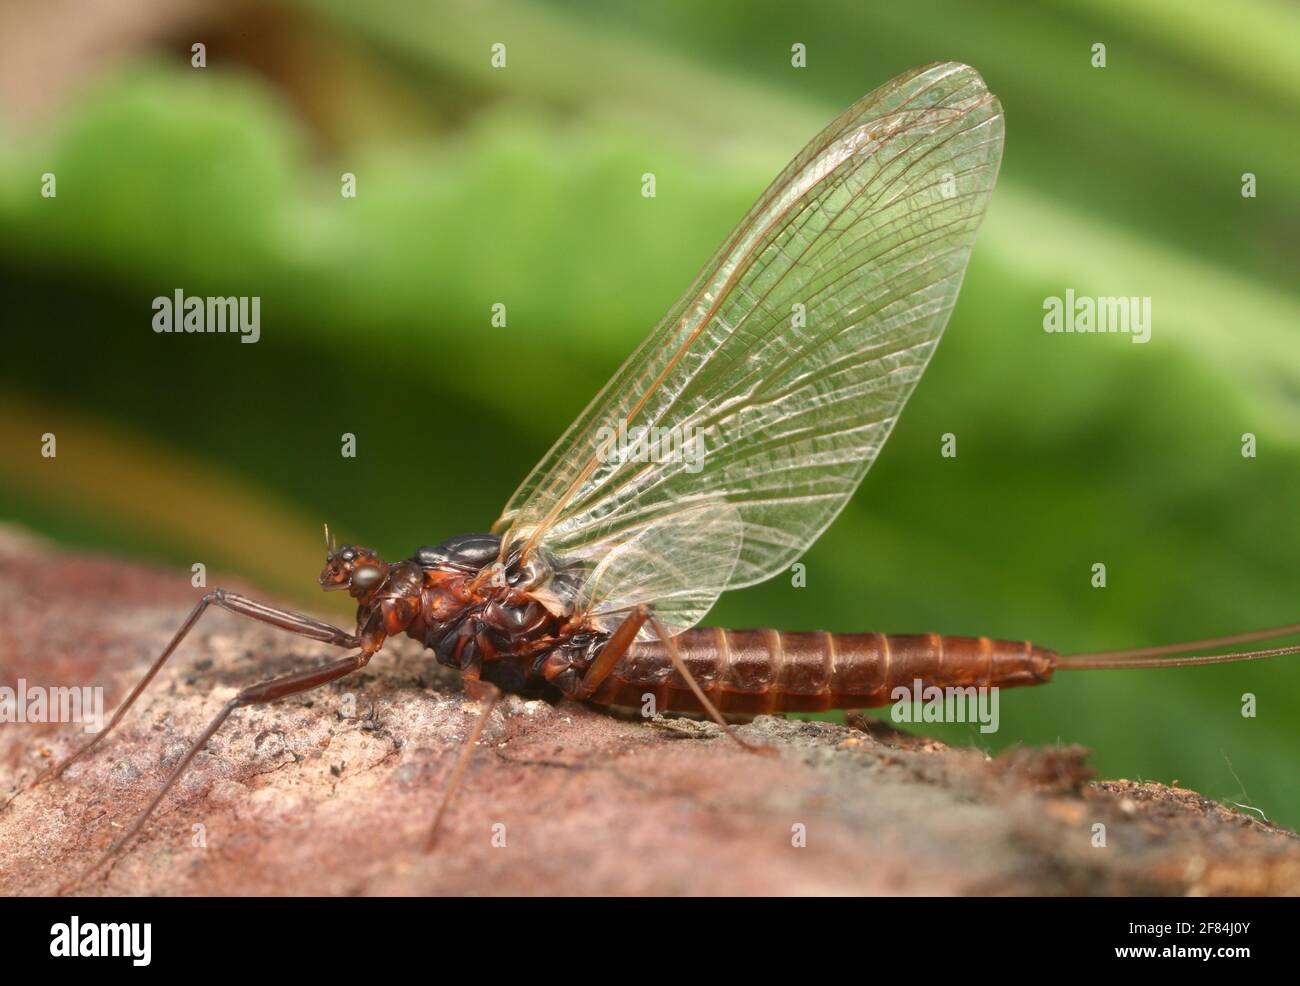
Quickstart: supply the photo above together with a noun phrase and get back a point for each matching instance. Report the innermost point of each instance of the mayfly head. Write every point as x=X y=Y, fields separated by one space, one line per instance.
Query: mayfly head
x=351 y=567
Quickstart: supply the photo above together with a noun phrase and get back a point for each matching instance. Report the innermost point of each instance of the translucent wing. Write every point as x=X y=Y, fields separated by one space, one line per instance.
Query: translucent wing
x=774 y=381
x=679 y=564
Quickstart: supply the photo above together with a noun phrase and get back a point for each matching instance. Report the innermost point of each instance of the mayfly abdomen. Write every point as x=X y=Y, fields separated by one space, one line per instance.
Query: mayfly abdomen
x=765 y=671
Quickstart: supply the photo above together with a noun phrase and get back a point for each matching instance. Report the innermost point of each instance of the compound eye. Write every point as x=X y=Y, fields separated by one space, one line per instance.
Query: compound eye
x=366 y=576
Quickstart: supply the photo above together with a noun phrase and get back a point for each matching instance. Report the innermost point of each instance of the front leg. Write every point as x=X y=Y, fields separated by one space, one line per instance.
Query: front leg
x=283 y=619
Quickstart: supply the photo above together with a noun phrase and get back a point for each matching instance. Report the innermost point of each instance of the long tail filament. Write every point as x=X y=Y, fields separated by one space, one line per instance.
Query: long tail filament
x=1177 y=655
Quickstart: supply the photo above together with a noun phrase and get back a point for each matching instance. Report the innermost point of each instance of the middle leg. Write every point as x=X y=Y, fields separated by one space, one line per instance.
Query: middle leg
x=266 y=691
x=487 y=694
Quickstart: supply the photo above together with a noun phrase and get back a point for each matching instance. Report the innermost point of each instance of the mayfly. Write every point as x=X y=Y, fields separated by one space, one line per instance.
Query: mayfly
x=784 y=367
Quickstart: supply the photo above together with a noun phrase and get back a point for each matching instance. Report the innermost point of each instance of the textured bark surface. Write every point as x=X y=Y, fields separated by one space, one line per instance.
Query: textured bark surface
x=332 y=792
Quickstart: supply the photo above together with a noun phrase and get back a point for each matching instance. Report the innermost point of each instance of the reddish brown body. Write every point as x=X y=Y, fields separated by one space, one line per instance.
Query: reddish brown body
x=499 y=632
x=512 y=627
x=763 y=671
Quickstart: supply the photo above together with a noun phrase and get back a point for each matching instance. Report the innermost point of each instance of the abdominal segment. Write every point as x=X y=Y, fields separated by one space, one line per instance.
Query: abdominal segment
x=767 y=671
